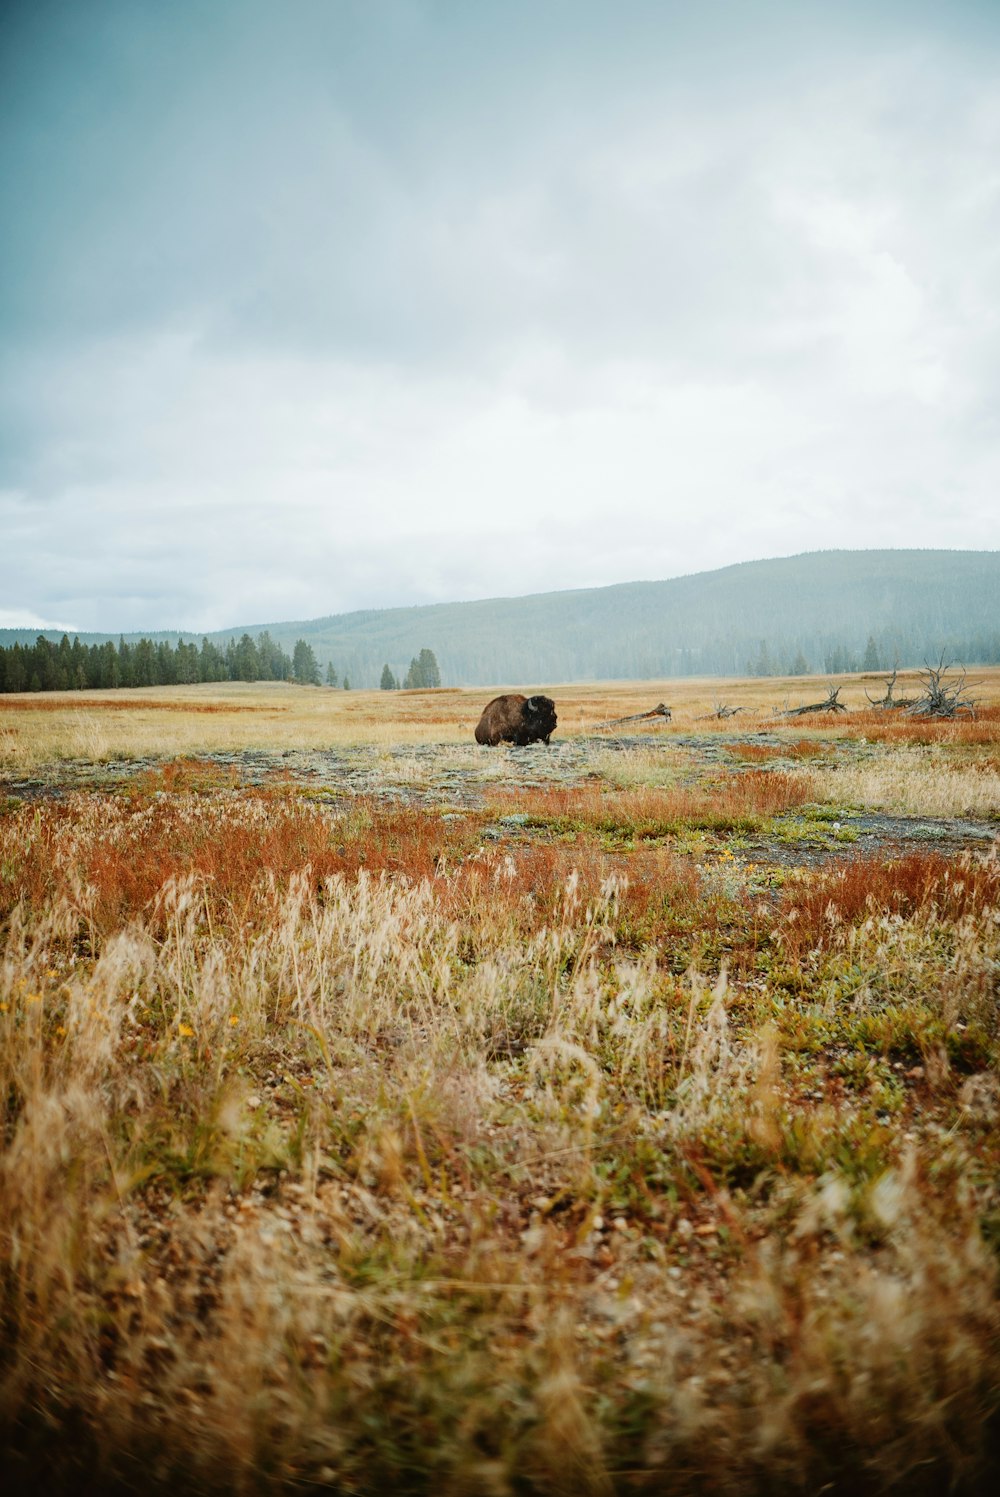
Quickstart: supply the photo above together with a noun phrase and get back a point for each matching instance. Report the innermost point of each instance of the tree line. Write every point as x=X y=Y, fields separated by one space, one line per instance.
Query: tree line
x=422 y=675
x=879 y=654
x=47 y=666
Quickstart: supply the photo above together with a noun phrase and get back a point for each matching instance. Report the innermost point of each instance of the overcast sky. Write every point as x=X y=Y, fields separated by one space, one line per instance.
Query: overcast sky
x=312 y=305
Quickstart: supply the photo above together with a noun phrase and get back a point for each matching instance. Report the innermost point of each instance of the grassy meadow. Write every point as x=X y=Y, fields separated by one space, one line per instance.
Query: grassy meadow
x=630 y=1130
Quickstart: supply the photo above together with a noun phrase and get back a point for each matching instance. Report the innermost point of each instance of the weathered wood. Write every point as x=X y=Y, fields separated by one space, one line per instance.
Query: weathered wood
x=720 y=712
x=889 y=703
x=661 y=710
x=830 y=705
x=942 y=697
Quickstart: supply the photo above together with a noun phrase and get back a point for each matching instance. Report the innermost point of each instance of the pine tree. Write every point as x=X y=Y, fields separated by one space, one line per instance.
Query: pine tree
x=871 y=661
x=304 y=664
x=835 y=661
x=64 y=666
x=16 y=673
x=388 y=681
x=187 y=663
x=111 y=673
x=273 y=662
x=430 y=676
x=165 y=664
x=761 y=664
x=144 y=663
x=331 y=674
x=246 y=660
x=79 y=668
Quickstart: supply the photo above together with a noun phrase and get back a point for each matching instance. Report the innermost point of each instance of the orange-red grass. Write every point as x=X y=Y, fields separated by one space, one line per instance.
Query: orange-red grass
x=65 y=703
x=762 y=753
x=122 y=860
x=184 y=775
x=897 y=727
x=114 y=864
x=659 y=894
x=648 y=811
x=848 y=892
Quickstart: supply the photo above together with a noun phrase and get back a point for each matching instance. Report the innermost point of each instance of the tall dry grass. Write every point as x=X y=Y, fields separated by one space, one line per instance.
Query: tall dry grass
x=912 y=781
x=418 y=1171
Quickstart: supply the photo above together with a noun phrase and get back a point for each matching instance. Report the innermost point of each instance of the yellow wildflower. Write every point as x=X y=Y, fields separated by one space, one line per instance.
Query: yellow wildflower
x=185 y=1030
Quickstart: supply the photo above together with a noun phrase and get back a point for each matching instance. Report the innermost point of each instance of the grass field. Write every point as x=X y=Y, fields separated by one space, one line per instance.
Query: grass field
x=625 y=1130
x=36 y=729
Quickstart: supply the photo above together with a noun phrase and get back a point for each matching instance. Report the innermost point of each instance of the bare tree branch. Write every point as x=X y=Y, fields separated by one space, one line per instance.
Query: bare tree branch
x=889 y=703
x=660 y=711
x=719 y=712
x=943 y=696
x=830 y=705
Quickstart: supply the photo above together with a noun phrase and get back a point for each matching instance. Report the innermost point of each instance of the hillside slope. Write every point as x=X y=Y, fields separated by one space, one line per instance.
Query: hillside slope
x=820 y=608
x=818 y=611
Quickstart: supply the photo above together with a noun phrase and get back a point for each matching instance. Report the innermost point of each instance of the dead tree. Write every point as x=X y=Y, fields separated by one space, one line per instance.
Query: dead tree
x=660 y=711
x=720 y=712
x=830 y=705
x=889 y=703
x=943 y=697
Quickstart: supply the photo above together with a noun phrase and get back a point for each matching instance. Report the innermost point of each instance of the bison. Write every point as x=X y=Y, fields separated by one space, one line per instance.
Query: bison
x=517 y=719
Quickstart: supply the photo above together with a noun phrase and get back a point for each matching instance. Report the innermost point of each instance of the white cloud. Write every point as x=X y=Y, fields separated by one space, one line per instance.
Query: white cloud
x=19 y=619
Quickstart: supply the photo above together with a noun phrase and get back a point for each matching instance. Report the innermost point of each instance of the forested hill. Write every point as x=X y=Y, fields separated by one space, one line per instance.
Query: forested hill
x=823 y=611
x=816 y=612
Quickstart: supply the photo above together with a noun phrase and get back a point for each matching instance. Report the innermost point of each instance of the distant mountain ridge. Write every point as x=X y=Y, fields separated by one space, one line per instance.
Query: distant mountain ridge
x=822 y=611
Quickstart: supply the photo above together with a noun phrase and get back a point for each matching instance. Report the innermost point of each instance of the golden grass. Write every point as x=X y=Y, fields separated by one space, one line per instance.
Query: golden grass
x=344 y=1148
x=342 y=1151
x=912 y=781
x=41 y=728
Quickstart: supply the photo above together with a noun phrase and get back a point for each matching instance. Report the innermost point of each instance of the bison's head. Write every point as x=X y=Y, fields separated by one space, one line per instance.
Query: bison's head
x=539 y=716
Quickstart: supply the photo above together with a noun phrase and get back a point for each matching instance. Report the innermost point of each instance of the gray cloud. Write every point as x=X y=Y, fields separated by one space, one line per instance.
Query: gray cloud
x=334 y=306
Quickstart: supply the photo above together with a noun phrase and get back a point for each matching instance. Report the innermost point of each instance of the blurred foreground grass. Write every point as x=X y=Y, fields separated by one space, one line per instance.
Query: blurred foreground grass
x=345 y=1148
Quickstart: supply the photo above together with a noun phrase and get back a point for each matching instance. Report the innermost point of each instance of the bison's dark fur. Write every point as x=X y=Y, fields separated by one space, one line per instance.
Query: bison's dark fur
x=517 y=719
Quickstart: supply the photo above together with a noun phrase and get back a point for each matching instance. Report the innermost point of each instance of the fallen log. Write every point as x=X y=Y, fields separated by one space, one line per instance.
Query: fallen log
x=661 y=710
x=830 y=705
x=720 y=712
